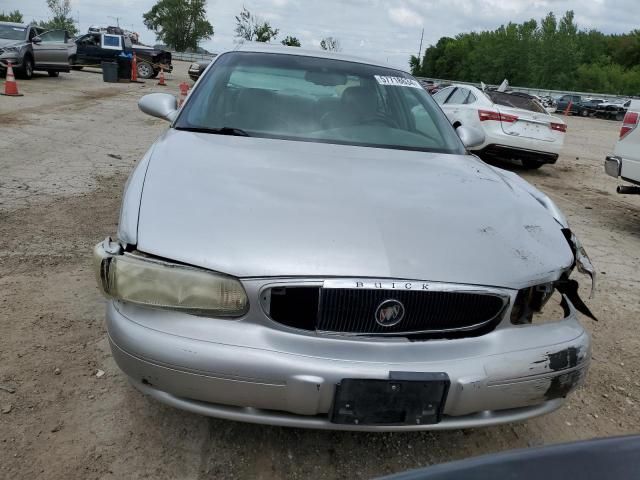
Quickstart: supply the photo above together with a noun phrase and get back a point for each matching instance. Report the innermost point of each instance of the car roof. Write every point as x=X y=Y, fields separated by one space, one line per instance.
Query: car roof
x=14 y=24
x=261 y=47
x=464 y=85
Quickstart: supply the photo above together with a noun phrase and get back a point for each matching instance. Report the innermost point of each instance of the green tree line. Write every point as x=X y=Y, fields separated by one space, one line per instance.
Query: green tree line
x=60 y=17
x=553 y=53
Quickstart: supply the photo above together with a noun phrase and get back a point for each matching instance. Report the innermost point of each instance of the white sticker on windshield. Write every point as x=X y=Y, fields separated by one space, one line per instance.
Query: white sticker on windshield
x=397 y=81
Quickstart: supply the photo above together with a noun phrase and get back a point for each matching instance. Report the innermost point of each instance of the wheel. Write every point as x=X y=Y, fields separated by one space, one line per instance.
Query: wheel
x=26 y=72
x=584 y=113
x=531 y=164
x=53 y=73
x=145 y=70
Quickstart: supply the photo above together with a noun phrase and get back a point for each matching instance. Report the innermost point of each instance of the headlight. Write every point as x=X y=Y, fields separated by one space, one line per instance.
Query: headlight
x=11 y=49
x=154 y=283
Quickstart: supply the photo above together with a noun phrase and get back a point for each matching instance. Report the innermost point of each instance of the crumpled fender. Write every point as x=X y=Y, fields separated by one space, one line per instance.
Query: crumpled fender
x=582 y=262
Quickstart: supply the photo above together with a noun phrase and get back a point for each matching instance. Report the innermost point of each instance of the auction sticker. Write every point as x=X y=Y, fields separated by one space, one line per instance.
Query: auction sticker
x=397 y=81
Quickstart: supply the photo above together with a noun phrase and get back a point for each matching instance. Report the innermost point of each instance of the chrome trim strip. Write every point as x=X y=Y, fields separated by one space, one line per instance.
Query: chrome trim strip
x=394 y=284
x=536 y=121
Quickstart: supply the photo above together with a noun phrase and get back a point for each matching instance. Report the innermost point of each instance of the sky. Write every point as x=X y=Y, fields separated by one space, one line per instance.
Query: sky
x=387 y=30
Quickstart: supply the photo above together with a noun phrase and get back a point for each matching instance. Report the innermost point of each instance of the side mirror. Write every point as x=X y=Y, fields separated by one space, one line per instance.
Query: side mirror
x=36 y=40
x=160 y=105
x=470 y=136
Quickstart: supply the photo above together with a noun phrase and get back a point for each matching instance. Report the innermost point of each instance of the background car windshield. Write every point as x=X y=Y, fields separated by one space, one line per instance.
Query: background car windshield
x=12 y=33
x=321 y=100
x=516 y=101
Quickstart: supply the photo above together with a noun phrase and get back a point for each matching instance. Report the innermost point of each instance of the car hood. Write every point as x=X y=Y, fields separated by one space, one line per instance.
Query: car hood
x=255 y=207
x=5 y=42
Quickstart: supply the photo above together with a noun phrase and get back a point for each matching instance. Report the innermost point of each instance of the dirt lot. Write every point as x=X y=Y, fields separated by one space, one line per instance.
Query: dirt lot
x=67 y=148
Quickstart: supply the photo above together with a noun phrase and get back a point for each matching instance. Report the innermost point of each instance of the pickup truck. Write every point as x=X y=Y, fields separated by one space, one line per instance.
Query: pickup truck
x=579 y=105
x=625 y=162
x=593 y=107
x=94 y=48
x=30 y=48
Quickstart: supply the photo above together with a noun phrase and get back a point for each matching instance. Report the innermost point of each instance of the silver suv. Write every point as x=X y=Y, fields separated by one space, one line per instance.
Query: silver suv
x=30 y=48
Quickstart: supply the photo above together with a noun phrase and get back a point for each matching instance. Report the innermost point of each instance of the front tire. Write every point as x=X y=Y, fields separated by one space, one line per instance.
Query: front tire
x=145 y=70
x=26 y=72
x=584 y=113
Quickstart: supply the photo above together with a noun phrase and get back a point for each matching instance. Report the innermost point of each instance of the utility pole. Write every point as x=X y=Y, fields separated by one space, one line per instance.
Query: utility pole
x=420 y=50
x=117 y=19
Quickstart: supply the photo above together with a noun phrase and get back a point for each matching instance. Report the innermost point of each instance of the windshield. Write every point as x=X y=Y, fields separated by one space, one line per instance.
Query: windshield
x=319 y=100
x=515 y=100
x=9 y=32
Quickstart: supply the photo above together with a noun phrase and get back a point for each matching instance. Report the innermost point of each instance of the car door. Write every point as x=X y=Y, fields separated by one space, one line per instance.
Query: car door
x=453 y=105
x=88 y=50
x=52 y=50
x=576 y=103
x=563 y=102
x=441 y=98
x=462 y=105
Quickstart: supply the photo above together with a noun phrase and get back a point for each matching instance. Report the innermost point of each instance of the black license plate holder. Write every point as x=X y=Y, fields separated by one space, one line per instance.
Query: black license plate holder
x=406 y=398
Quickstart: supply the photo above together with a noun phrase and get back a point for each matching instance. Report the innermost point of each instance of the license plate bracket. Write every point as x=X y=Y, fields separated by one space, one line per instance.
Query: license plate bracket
x=406 y=398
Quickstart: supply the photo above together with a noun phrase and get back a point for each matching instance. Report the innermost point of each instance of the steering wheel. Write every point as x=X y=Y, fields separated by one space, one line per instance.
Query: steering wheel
x=277 y=119
x=381 y=119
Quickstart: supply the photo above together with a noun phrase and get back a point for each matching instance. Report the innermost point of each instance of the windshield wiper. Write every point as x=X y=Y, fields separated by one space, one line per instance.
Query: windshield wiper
x=236 y=132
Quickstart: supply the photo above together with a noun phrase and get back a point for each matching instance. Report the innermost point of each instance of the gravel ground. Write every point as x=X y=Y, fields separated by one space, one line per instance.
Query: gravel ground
x=67 y=148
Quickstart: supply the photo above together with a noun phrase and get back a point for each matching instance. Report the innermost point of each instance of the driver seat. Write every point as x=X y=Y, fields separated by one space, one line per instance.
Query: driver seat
x=255 y=109
x=357 y=104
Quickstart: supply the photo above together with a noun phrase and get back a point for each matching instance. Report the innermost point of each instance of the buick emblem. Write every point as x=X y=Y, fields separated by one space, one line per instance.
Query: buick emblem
x=389 y=313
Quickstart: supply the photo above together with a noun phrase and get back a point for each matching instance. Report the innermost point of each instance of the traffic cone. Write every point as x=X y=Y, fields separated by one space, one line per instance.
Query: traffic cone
x=10 y=85
x=162 y=83
x=184 y=91
x=134 y=70
x=568 y=109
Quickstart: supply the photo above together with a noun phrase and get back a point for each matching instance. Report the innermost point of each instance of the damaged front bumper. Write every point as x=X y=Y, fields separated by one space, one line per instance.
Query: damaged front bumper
x=245 y=371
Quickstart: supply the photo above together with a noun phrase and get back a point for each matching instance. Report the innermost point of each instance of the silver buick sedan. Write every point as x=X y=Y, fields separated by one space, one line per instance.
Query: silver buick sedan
x=310 y=244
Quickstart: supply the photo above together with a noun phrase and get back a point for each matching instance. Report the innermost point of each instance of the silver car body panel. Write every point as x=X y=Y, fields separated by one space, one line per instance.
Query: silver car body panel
x=128 y=225
x=52 y=52
x=282 y=419
x=257 y=207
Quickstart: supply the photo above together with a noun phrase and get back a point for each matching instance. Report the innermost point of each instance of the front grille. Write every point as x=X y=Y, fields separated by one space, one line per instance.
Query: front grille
x=354 y=311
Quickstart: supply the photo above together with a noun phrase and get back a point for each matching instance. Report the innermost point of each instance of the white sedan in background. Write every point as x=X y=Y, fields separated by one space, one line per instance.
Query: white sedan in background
x=515 y=127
